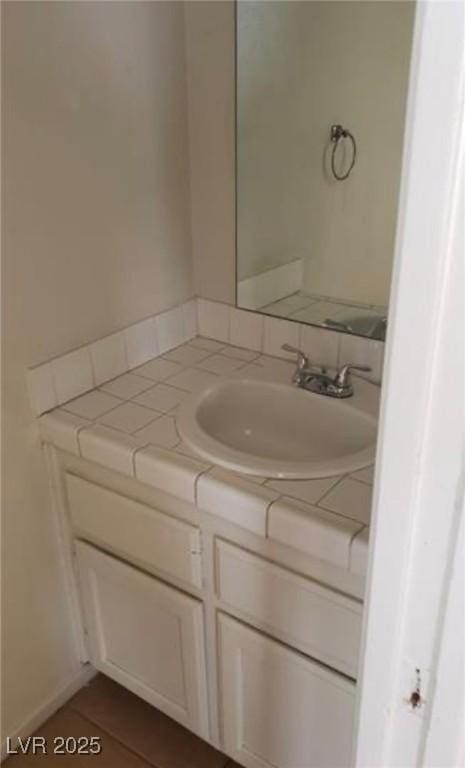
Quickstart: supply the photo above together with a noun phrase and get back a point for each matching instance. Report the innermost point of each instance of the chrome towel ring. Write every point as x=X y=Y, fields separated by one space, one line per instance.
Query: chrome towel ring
x=337 y=135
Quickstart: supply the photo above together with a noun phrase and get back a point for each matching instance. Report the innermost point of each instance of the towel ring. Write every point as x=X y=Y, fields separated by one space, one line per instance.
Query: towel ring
x=338 y=134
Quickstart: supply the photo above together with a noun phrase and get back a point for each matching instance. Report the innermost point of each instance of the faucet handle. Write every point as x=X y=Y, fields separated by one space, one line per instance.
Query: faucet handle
x=302 y=359
x=343 y=375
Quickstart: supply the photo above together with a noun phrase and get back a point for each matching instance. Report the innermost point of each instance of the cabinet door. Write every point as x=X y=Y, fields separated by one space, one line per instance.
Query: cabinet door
x=279 y=708
x=146 y=635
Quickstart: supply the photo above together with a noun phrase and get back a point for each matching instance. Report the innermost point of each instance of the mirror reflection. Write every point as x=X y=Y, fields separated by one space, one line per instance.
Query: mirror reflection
x=321 y=95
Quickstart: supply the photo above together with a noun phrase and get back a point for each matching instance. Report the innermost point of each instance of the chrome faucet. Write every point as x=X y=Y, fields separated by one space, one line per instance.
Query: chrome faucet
x=317 y=380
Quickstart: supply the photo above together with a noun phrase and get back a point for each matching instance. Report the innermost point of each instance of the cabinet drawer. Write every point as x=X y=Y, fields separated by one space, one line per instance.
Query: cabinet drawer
x=135 y=531
x=279 y=708
x=146 y=635
x=318 y=621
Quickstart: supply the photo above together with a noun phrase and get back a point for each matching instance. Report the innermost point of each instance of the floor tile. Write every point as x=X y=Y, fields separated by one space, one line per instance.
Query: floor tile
x=68 y=722
x=142 y=728
x=92 y=405
x=129 y=417
x=191 y=379
x=158 y=369
x=161 y=397
x=126 y=386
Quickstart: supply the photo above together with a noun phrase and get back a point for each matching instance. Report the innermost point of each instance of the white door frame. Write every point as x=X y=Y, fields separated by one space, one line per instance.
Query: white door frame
x=414 y=596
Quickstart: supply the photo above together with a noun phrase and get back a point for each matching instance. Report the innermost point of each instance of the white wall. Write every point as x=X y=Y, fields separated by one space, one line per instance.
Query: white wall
x=96 y=235
x=302 y=67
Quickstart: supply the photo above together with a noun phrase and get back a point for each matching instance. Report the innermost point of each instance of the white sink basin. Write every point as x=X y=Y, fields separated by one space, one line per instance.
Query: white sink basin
x=277 y=430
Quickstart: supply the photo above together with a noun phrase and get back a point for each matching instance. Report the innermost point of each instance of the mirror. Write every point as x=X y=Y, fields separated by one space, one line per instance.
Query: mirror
x=321 y=96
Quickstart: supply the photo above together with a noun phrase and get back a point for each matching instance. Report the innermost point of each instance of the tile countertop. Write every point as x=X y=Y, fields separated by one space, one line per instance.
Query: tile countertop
x=129 y=425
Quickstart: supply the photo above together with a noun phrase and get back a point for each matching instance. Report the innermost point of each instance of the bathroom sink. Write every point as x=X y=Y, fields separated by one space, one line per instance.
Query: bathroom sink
x=277 y=430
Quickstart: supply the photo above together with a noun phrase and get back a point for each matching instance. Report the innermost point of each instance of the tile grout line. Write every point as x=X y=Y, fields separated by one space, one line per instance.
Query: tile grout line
x=358 y=480
x=326 y=493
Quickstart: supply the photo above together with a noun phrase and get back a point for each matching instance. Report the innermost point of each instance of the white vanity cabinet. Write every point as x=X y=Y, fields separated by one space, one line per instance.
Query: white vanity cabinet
x=146 y=635
x=211 y=624
x=278 y=707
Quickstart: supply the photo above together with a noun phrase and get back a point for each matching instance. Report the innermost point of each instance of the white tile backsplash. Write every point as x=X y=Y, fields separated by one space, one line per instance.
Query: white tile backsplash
x=141 y=342
x=66 y=377
x=72 y=374
x=170 y=329
x=246 y=329
x=321 y=346
x=360 y=351
x=108 y=357
x=277 y=333
x=189 y=310
x=213 y=319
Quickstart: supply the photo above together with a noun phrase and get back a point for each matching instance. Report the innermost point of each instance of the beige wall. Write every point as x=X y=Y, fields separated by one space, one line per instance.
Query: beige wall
x=96 y=234
x=210 y=73
x=301 y=67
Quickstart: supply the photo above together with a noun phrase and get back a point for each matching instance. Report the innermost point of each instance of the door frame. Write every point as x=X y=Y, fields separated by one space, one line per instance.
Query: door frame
x=414 y=609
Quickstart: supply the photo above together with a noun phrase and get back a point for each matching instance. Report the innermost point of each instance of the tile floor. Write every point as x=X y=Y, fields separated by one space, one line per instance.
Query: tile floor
x=132 y=734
